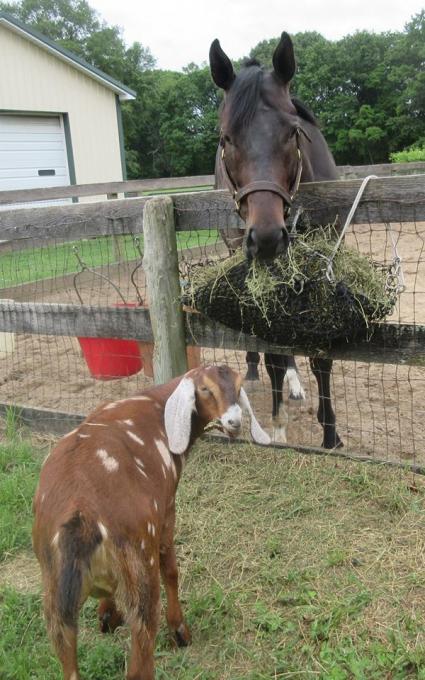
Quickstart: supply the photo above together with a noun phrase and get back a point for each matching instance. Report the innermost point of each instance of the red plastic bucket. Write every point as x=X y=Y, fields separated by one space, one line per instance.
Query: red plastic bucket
x=111 y=358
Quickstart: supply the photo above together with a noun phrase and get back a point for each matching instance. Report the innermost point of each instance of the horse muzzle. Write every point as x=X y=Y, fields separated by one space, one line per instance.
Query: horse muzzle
x=265 y=244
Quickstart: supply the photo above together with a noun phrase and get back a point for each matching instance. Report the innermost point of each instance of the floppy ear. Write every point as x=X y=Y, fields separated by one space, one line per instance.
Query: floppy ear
x=257 y=432
x=221 y=67
x=178 y=415
x=284 y=60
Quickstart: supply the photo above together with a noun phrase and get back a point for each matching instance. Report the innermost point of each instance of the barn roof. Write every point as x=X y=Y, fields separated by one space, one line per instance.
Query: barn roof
x=124 y=92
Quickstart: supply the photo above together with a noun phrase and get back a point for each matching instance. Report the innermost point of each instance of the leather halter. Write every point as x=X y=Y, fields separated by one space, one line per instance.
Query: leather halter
x=264 y=185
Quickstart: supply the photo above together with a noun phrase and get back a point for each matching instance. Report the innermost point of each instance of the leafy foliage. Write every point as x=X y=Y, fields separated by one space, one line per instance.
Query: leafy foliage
x=367 y=89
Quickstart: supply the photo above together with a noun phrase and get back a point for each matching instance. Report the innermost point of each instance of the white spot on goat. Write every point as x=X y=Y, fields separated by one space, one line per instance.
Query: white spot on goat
x=155 y=504
x=127 y=422
x=55 y=540
x=142 y=545
x=140 y=467
x=151 y=561
x=97 y=424
x=110 y=463
x=84 y=436
x=166 y=457
x=135 y=438
x=140 y=398
x=102 y=530
x=151 y=529
x=109 y=406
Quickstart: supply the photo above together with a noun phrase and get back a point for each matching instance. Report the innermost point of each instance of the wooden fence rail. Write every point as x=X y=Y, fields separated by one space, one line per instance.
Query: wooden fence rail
x=139 y=186
x=386 y=199
x=389 y=343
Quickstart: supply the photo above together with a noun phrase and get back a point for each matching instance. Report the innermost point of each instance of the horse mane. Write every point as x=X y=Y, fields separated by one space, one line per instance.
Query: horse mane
x=246 y=93
x=304 y=112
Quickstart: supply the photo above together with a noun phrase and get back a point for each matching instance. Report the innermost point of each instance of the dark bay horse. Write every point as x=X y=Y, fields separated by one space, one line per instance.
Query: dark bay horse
x=269 y=143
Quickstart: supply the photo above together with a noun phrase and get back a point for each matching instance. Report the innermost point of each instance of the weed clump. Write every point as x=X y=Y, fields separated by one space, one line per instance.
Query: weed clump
x=291 y=299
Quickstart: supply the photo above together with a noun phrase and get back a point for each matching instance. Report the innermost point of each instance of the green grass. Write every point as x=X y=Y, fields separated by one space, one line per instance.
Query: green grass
x=52 y=261
x=291 y=566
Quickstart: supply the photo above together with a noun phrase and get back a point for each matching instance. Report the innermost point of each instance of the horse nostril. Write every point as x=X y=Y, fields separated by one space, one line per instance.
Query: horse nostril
x=283 y=240
x=252 y=243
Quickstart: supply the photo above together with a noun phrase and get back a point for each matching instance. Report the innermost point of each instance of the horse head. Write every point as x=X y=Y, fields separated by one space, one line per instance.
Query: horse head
x=262 y=144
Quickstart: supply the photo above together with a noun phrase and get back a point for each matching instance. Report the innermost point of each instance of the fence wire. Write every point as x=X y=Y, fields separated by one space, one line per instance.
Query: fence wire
x=379 y=407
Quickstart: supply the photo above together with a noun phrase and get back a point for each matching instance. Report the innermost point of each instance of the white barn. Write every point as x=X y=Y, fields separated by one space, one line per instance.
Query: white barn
x=60 y=117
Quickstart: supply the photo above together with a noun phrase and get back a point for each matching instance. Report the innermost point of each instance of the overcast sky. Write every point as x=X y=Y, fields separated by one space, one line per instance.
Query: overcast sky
x=180 y=31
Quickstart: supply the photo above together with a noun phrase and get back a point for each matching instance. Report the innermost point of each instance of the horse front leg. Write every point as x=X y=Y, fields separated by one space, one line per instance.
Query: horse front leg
x=252 y=361
x=296 y=390
x=325 y=414
x=276 y=365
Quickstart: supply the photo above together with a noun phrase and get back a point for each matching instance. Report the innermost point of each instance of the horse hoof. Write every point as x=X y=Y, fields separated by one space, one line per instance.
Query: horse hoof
x=279 y=435
x=297 y=395
x=333 y=444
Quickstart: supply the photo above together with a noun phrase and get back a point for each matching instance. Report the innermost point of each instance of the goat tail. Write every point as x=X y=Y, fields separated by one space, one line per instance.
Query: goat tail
x=78 y=539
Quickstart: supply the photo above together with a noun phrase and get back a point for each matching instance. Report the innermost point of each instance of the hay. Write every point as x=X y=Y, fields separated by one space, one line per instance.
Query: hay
x=290 y=300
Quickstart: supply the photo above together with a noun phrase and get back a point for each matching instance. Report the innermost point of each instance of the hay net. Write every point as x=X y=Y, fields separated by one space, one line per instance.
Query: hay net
x=292 y=299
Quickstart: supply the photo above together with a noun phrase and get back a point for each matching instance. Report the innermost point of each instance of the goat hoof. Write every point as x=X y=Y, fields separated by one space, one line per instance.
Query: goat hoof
x=109 y=618
x=182 y=636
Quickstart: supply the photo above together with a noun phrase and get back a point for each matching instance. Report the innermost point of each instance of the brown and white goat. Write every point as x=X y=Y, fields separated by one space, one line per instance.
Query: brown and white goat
x=105 y=510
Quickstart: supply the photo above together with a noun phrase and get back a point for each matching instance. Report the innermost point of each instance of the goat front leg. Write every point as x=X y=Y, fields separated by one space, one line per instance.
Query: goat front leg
x=276 y=368
x=177 y=626
x=325 y=414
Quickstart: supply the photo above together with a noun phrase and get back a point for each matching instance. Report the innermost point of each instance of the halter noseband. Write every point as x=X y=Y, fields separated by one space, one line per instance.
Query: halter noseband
x=264 y=185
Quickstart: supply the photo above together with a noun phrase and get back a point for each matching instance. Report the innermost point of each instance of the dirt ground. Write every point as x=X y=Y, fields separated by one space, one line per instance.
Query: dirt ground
x=379 y=407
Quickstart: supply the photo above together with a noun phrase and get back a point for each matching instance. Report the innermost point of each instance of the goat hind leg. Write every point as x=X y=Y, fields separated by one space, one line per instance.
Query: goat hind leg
x=144 y=629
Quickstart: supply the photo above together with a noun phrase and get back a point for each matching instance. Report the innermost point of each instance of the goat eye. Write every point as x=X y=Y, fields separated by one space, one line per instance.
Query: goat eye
x=204 y=390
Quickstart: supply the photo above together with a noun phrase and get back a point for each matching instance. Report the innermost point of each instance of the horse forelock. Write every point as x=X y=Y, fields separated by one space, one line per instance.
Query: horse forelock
x=243 y=98
x=248 y=91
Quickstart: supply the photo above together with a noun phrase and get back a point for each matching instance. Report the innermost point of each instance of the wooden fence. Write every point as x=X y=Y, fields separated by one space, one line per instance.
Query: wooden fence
x=386 y=199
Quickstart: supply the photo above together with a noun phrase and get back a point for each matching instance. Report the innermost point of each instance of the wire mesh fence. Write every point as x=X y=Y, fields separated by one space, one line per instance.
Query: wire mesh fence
x=378 y=406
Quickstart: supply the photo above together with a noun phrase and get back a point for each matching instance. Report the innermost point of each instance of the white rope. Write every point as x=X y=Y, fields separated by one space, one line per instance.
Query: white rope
x=329 y=271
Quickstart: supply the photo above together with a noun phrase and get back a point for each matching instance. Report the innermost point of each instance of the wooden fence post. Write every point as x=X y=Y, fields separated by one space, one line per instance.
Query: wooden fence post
x=162 y=277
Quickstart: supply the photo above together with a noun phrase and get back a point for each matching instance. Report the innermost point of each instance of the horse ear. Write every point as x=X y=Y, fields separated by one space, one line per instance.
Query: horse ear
x=284 y=60
x=221 y=67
